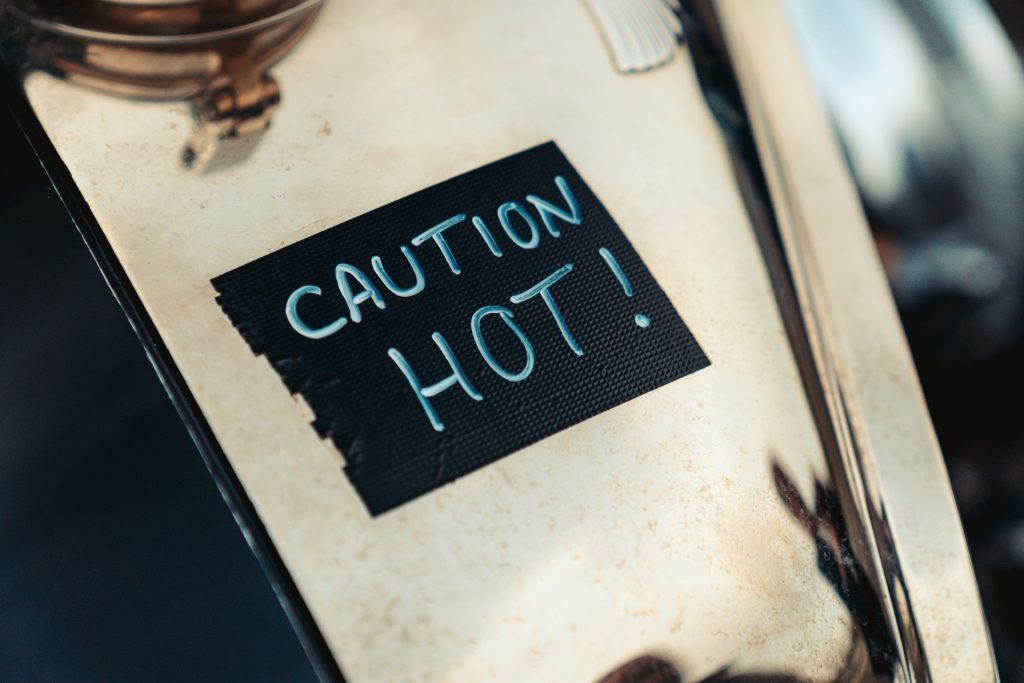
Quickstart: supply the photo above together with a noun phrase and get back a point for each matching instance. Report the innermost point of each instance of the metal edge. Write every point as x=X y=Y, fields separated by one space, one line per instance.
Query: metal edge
x=780 y=220
x=299 y=616
x=750 y=146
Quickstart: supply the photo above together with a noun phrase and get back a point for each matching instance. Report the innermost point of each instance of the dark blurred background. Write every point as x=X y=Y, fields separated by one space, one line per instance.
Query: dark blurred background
x=928 y=99
x=120 y=562
x=118 y=559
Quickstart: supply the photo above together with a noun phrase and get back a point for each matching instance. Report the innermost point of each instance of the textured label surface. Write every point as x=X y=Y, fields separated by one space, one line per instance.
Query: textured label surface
x=452 y=327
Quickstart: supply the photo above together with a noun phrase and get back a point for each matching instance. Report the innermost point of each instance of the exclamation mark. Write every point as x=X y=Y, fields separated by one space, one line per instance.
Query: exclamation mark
x=640 y=319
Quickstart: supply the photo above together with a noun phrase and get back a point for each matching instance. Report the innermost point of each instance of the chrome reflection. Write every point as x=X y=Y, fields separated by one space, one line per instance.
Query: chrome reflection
x=872 y=655
x=215 y=54
x=849 y=524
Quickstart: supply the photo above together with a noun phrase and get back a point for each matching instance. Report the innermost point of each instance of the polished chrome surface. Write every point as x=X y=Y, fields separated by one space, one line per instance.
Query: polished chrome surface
x=756 y=524
x=214 y=53
x=840 y=520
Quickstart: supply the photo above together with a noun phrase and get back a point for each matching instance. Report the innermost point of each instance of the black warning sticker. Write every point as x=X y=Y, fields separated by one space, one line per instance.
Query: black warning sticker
x=457 y=325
